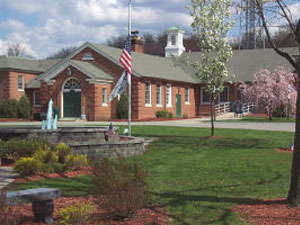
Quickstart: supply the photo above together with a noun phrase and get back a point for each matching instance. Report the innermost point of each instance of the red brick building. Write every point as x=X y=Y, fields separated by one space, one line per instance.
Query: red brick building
x=80 y=84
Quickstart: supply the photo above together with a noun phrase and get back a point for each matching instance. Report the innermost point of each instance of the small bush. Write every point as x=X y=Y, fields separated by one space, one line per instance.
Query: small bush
x=46 y=156
x=170 y=115
x=123 y=185
x=27 y=166
x=8 y=108
x=53 y=168
x=76 y=161
x=37 y=116
x=185 y=116
x=24 y=108
x=16 y=148
x=122 y=107
x=161 y=114
x=76 y=214
x=8 y=214
x=63 y=150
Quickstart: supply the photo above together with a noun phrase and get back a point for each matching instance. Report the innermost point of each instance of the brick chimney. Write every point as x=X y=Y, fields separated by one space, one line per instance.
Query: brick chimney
x=137 y=43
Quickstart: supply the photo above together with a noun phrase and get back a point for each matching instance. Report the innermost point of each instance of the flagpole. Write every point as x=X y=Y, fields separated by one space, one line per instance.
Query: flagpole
x=129 y=76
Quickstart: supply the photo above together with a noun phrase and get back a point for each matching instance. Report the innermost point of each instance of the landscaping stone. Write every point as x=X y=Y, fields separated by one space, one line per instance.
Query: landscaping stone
x=41 y=199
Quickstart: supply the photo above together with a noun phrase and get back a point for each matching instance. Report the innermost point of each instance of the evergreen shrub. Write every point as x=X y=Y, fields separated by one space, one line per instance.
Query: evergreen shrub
x=8 y=108
x=24 y=108
x=122 y=107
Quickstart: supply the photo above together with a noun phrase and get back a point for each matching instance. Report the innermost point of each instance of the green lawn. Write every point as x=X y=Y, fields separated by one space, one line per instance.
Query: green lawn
x=199 y=180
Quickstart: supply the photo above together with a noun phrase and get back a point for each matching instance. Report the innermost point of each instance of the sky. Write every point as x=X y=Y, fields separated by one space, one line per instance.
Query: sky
x=42 y=27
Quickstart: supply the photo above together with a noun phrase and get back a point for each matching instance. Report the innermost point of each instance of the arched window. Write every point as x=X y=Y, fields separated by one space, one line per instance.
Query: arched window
x=72 y=84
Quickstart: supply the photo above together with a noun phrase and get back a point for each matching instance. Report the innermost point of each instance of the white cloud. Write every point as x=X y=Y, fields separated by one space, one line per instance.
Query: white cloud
x=71 y=22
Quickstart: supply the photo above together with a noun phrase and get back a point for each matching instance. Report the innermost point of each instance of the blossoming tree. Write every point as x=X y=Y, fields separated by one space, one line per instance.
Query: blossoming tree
x=211 y=23
x=269 y=91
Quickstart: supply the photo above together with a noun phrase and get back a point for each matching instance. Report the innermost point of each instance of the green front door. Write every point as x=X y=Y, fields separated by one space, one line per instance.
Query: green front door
x=72 y=104
x=178 y=105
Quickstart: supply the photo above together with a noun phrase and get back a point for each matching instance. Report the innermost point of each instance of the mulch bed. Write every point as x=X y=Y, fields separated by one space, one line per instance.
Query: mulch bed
x=157 y=216
x=270 y=212
x=257 y=115
x=286 y=150
x=39 y=176
x=146 y=216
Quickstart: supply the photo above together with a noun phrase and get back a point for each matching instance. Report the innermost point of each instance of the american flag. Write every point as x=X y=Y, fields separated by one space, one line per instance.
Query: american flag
x=125 y=59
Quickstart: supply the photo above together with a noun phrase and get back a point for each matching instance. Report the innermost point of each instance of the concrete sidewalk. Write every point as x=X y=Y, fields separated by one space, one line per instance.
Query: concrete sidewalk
x=6 y=176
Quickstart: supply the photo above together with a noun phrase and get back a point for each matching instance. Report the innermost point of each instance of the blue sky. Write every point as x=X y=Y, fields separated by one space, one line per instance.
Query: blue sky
x=43 y=27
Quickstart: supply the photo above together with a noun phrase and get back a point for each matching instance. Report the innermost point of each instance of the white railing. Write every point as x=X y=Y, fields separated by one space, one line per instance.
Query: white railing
x=222 y=108
x=247 y=107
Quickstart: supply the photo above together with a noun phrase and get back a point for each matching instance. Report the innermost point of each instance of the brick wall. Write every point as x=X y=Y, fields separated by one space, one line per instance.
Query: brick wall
x=9 y=84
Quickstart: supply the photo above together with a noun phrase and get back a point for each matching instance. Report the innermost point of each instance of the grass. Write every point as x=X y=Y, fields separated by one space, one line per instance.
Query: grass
x=198 y=179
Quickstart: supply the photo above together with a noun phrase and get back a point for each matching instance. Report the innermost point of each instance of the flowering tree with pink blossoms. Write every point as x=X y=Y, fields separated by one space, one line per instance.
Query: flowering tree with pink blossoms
x=269 y=92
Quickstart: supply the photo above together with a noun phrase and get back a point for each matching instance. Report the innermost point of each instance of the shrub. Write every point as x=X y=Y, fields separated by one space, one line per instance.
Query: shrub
x=8 y=108
x=122 y=107
x=8 y=214
x=63 y=150
x=27 y=166
x=16 y=148
x=45 y=155
x=185 y=116
x=161 y=114
x=170 y=115
x=24 y=108
x=76 y=214
x=2 y=149
x=76 y=161
x=52 y=168
x=123 y=185
x=37 y=116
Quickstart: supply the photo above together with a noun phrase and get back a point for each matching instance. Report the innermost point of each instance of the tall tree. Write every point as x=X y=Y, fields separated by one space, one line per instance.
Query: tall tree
x=211 y=23
x=281 y=10
x=62 y=53
x=17 y=50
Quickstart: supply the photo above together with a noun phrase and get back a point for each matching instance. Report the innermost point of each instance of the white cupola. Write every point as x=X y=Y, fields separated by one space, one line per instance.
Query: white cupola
x=174 y=42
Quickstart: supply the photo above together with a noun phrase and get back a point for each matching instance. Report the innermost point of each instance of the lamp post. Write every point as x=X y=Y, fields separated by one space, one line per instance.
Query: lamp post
x=289 y=102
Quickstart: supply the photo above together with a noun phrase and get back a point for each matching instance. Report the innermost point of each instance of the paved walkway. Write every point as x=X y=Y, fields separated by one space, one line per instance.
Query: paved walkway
x=6 y=176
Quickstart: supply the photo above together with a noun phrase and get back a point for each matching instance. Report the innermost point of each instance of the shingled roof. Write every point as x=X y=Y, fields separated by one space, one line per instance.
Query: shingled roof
x=26 y=64
x=143 y=65
x=245 y=63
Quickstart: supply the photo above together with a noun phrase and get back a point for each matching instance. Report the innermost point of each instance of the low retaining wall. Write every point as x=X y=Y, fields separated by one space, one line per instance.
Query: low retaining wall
x=128 y=146
x=67 y=135
x=91 y=141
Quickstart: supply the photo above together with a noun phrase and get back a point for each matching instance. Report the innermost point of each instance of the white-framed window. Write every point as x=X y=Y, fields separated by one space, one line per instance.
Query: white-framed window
x=187 y=95
x=173 y=40
x=169 y=95
x=205 y=96
x=36 y=98
x=87 y=56
x=224 y=95
x=147 y=94
x=20 y=83
x=104 y=96
x=158 y=95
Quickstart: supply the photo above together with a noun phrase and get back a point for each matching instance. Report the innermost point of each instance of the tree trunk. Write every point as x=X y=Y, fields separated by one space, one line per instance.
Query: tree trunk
x=212 y=117
x=294 y=192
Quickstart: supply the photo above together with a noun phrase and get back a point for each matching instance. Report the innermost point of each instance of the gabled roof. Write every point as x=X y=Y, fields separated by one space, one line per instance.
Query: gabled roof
x=26 y=64
x=245 y=63
x=93 y=72
x=143 y=65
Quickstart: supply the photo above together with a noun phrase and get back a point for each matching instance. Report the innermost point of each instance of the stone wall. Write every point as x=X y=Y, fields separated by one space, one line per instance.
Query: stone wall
x=125 y=148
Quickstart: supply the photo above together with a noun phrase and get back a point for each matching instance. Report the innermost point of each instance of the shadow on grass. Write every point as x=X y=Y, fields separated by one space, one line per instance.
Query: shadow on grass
x=180 y=198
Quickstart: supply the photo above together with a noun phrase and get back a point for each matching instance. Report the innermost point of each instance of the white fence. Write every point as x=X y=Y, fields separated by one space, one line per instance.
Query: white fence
x=222 y=108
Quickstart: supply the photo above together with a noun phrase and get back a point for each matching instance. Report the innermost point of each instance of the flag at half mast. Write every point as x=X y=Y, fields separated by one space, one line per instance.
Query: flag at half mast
x=125 y=60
